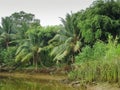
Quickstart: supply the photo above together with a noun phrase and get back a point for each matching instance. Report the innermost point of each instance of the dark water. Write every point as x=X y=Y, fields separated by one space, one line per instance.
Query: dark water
x=28 y=84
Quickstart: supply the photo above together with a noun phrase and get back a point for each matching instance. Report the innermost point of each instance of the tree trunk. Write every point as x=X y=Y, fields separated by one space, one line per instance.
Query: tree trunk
x=7 y=44
x=73 y=59
x=41 y=63
x=35 y=63
x=33 y=60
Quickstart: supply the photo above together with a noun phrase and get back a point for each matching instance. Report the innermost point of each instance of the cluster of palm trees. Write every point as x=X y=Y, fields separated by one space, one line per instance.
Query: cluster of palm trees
x=31 y=38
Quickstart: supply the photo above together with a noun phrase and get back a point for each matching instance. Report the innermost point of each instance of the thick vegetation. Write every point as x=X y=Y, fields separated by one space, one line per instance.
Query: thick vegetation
x=88 y=41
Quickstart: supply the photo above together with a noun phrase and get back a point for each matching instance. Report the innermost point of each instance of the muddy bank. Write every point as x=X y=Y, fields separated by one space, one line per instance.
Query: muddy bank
x=38 y=76
x=77 y=85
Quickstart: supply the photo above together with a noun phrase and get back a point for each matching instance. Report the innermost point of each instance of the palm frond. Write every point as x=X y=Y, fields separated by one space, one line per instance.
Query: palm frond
x=69 y=40
x=58 y=49
x=27 y=57
x=22 y=47
x=20 y=56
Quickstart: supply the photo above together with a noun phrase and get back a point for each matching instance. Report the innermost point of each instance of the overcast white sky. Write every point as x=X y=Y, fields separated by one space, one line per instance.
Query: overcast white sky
x=48 y=11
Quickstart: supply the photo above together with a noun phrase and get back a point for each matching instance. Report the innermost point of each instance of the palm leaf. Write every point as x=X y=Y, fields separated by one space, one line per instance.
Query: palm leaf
x=27 y=57
x=20 y=56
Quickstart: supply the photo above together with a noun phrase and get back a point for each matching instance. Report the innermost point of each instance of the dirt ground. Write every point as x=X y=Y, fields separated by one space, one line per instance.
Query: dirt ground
x=104 y=86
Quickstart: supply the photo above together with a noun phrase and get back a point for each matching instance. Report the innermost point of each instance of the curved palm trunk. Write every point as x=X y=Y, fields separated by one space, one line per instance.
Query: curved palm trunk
x=35 y=61
x=73 y=59
x=41 y=63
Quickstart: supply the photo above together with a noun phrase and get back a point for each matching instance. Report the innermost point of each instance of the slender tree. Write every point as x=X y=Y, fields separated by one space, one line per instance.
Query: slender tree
x=68 y=40
x=7 y=31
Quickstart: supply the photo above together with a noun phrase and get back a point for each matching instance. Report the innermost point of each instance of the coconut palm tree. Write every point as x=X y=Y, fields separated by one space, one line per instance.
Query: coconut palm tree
x=68 y=40
x=7 y=31
x=30 y=48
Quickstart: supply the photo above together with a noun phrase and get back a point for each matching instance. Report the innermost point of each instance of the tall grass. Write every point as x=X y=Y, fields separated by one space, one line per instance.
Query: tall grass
x=101 y=63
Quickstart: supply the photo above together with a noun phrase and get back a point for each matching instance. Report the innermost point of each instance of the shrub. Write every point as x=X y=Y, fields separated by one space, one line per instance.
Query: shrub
x=103 y=65
x=7 y=55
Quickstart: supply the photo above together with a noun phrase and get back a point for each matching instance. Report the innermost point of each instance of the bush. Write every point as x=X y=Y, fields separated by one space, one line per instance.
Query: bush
x=102 y=63
x=88 y=53
x=7 y=55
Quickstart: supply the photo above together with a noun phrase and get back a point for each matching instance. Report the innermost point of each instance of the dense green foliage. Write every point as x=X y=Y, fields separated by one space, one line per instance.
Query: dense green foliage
x=100 y=29
x=88 y=40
